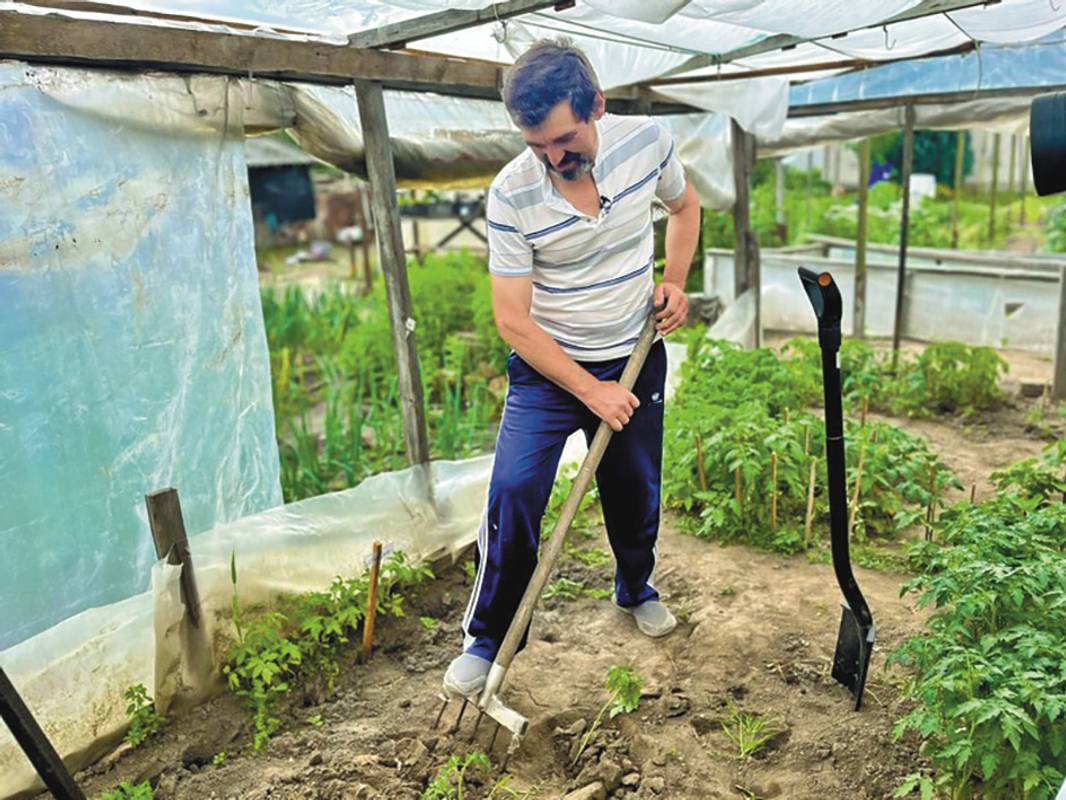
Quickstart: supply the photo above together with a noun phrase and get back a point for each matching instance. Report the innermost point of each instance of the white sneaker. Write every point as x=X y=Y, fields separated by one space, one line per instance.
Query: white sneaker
x=653 y=618
x=466 y=675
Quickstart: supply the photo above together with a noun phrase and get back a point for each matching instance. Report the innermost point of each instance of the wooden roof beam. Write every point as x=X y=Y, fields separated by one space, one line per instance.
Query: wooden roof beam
x=400 y=34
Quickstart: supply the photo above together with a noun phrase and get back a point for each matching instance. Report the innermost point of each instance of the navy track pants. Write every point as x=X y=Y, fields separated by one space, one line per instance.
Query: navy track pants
x=538 y=418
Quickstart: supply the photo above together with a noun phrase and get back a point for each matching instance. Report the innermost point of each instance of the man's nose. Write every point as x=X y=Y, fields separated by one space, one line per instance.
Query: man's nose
x=556 y=155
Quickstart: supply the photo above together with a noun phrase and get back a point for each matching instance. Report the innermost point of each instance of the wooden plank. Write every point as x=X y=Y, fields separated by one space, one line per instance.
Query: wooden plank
x=783 y=41
x=859 y=308
x=960 y=155
x=389 y=235
x=57 y=39
x=996 y=139
x=35 y=744
x=905 y=218
x=1001 y=261
x=1058 y=382
x=172 y=543
x=932 y=98
x=442 y=22
x=746 y=255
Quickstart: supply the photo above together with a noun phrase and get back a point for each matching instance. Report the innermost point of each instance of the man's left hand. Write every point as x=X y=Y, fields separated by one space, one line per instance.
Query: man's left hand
x=676 y=312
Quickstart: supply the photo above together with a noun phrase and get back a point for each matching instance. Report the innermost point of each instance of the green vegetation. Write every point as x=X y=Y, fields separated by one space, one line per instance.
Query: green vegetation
x=334 y=377
x=623 y=689
x=127 y=791
x=749 y=733
x=300 y=639
x=145 y=722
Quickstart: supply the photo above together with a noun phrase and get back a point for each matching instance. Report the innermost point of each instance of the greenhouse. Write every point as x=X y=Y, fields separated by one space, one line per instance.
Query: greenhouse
x=257 y=262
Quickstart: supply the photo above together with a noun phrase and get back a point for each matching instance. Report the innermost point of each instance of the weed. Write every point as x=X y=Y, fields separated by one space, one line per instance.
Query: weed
x=564 y=589
x=623 y=688
x=750 y=733
x=429 y=623
x=127 y=791
x=145 y=722
x=450 y=781
x=219 y=759
x=727 y=591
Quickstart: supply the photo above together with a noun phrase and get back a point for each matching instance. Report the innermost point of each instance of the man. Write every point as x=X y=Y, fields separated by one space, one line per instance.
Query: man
x=571 y=258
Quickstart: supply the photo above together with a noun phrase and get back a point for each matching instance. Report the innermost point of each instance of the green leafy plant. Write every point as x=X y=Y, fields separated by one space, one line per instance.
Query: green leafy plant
x=128 y=791
x=300 y=639
x=219 y=759
x=429 y=623
x=1042 y=477
x=749 y=733
x=145 y=722
x=623 y=690
x=564 y=589
x=449 y=783
x=987 y=682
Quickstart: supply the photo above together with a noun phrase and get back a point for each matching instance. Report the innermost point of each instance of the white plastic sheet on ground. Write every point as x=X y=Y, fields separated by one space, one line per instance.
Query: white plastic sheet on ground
x=132 y=350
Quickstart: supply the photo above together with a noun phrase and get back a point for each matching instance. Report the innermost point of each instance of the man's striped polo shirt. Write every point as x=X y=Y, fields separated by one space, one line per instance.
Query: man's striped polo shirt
x=592 y=276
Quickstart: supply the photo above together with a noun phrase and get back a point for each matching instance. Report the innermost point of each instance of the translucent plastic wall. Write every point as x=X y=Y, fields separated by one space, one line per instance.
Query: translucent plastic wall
x=132 y=350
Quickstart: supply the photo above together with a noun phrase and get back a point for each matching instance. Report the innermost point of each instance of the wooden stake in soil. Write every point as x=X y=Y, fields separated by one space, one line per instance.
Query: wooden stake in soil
x=865 y=409
x=736 y=480
x=371 y=603
x=699 y=462
x=930 y=512
x=810 y=504
x=773 y=491
x=858 y=485
x=807 y=439
x=786 y=415
x=973 y=494
x=172 y=543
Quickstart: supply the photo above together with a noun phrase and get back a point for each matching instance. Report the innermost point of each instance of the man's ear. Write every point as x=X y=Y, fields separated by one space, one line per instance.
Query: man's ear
x=599 y=106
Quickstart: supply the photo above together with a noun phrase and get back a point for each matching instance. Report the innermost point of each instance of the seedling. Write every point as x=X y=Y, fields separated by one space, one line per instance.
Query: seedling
x=450 y=781
x=127 y=791
x=750 y=733
x=623 y=687
x=144 y=721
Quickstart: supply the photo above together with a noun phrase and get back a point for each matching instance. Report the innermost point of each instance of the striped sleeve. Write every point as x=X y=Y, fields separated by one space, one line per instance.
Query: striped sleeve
x=671 y=183
x=509 y=252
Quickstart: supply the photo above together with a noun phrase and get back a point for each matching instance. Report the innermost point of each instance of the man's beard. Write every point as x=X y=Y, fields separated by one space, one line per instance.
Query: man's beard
x=574 y=166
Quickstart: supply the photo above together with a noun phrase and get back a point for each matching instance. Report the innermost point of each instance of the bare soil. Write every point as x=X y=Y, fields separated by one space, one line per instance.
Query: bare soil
x=757 y=631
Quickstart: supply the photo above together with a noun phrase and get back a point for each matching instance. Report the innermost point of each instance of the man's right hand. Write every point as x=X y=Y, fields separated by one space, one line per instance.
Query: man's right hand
x=609 y=401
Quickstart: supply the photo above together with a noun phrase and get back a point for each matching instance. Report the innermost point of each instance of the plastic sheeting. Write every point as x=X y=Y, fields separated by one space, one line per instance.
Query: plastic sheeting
x=992 y=67
x=759 y=105
x=132 y=349
x=73 y=674
x=976 y=304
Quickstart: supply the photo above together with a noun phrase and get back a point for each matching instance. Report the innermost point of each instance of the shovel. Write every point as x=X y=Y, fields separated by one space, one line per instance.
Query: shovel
x=489 y=703
x=855 y=641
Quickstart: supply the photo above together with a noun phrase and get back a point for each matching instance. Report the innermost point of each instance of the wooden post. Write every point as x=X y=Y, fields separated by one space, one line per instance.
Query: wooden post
x=382 y=174
x=930 y=512
x=865 y=409
x=901 y=279
x=172 y=543
x=807 y=203
x=1058 y=381
x=736 y=483
x=859 y=307
x=994 y=190
x=808 y=525
x=960 y=162
x=699 y=462
x=372 y=602
x=807 y=439
x=745 y=250
x=973 y=493
x=779 y=201
x=35 y=744
x=1013 y=171
x=364 y=243
x=773 y=491
x=1025 y=178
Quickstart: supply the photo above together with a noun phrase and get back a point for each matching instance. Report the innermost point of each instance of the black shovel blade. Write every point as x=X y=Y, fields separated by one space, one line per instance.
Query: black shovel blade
x=851 y=660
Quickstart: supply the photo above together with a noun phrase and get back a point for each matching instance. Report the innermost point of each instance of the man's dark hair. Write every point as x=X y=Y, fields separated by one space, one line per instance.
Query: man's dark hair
x=546 y=74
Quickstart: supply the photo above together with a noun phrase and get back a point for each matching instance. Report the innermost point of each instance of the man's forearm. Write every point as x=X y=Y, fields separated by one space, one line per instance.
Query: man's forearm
x=682 y=235
x=544 y=354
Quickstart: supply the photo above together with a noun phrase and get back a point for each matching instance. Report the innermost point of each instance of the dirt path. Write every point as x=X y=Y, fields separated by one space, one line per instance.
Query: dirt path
x=758 y=629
